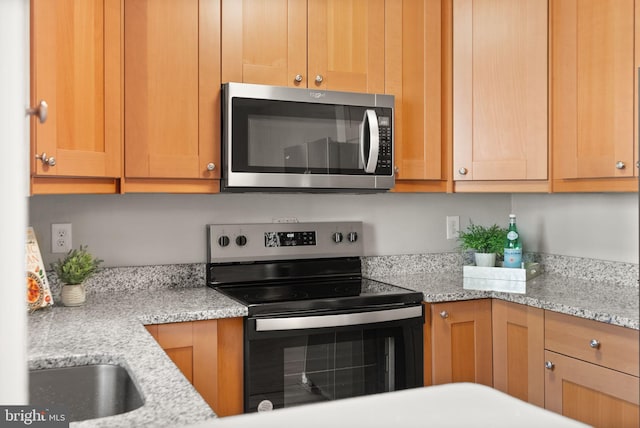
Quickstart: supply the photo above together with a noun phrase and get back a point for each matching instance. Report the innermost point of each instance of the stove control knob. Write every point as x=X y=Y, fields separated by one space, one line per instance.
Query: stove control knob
x=352 y=237
x=223 y=241
x=241 y=240
x=337 y=237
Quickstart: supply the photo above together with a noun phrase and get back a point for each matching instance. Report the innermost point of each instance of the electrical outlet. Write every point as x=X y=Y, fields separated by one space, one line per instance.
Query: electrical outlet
x=453 y=226
x=61 y=238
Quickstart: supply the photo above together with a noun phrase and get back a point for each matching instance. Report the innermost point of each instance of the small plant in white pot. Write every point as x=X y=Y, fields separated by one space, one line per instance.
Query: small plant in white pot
x=488 y=242
x=72 y=272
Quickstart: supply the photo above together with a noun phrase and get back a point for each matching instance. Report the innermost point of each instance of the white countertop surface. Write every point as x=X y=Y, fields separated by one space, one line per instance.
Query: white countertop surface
x=450 y=405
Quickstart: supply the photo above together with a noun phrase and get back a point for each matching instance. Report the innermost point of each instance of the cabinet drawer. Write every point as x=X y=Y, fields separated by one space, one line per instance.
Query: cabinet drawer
x=617 y=347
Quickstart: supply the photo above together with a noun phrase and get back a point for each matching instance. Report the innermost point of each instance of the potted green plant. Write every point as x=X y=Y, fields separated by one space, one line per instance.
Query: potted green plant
x=72 y=272
x=487 y=241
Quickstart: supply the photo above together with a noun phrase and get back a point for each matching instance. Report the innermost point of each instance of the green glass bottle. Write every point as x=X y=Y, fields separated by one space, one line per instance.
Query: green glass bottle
x=512 y=245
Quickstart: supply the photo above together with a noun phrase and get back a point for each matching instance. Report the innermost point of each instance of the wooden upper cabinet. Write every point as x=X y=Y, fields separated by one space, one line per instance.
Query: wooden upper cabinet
x=414 y=72
x=76 y=70
x=293 y=42
x=346 y=45
x=594 y=85
x=500 y=90
x=172 y=92
x=264 y=42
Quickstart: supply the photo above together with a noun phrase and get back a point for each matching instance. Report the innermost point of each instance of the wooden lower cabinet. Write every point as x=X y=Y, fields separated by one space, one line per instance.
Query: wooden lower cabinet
x=592 y=368
x=592 y=371
x=426 y=341
x=461 y=342
x=590 y=393
x=518 y=351
x=210 y=355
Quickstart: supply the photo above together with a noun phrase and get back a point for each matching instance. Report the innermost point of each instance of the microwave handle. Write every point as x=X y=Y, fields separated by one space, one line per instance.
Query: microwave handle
x=370 y=160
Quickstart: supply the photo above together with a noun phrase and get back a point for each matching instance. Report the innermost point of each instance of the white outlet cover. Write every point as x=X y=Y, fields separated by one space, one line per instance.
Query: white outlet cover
x=61 y=238
x=453 y=226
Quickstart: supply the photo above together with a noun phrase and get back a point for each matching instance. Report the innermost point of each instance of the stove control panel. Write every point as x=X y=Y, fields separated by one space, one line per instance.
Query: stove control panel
x=281 y=241
x=289 y=239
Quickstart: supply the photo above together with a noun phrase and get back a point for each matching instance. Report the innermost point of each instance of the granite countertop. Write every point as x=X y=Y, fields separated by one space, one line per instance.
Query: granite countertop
x=109 y=328
x=602 y=301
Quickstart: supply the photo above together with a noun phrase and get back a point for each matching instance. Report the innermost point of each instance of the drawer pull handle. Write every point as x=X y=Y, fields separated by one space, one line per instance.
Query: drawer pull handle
x=549 y=365
x=594 y=344
x=444 y=314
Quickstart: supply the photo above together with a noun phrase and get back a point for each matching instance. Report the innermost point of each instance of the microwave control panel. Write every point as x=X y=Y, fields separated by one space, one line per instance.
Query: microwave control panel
x=385 y=153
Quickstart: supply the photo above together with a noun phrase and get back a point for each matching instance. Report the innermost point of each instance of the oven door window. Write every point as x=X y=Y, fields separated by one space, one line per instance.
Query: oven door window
x=309 y=368
x=297 y=138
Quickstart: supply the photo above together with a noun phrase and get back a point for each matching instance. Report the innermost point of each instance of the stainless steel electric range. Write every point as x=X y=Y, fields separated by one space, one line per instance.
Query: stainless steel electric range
x=316 y=329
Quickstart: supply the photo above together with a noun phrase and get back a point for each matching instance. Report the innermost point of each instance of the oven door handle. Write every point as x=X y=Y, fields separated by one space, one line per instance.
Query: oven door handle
x=338 y=320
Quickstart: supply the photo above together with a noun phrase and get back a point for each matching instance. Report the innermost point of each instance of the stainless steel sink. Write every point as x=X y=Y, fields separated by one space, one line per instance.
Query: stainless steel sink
x=85 y=392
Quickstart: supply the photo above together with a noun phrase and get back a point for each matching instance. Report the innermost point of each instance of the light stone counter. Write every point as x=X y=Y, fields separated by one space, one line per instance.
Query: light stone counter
x=600 y=301
x=595 y=289
x=109 y=328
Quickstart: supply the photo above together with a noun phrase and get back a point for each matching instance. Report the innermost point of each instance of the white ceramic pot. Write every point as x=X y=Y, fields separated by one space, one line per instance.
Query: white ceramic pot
x=485 y=259
x=73 y=294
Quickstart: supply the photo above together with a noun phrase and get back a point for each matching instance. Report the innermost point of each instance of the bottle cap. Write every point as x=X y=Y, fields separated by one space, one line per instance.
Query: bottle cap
x=512 y=216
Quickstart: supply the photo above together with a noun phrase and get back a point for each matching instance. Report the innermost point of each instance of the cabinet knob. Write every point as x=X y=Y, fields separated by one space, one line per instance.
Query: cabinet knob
x=211 y=166
x=298 y=78
x=549 y=365
x=444 y=314
x=396 y=169
x=319 y=78
x=638 y=164
x=463 y=171
x=46 y=160
x=594 y=343
x=40 y=111
x=620 y=165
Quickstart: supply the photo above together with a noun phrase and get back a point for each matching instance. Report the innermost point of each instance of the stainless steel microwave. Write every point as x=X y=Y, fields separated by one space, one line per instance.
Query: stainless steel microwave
x=291 y=139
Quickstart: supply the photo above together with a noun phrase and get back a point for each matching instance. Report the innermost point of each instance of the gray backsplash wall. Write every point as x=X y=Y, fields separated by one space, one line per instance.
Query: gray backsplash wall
x=596 y=225
x=146 y=229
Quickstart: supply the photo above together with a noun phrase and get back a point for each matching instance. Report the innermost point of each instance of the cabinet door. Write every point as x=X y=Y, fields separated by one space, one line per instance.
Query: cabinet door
x=592 y=394
x=592 y=75
x=210 y=355
x=346 y=45
x=172 y=89
x=176 y=339
x=461 y=338
x=500 y=89
x=264 y=42
x=413 y=57
x=426 y=342
x=518 y=351
x=76 y=70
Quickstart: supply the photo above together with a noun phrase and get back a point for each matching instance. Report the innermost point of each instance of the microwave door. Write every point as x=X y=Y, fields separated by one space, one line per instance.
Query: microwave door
x=369 y=141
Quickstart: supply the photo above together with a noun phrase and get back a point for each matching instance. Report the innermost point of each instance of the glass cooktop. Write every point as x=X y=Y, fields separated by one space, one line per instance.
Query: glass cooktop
x=319 y=296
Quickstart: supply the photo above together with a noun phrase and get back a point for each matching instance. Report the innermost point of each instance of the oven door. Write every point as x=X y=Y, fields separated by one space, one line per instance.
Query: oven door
x=293 y=360
x=285 y=138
